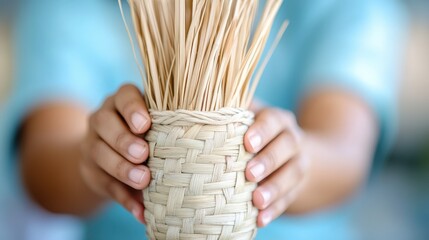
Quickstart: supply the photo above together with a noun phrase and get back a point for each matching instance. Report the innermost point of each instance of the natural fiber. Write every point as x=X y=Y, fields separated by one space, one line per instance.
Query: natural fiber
x=198 y=188
x=202 y=55
x=200 y=70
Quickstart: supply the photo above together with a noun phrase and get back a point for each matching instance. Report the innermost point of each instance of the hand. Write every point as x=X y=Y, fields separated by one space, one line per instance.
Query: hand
x=279 y=165
x=113 y=152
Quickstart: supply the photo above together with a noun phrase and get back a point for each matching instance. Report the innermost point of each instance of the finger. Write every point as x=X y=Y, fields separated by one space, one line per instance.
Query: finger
x=108 y=187
x=135 y=176
x=278 y=184
x=266 y=127
x=130 y=104
x=111 y=128
x=277 y=208
x=272 y=157
x=256 y=106
x=123 y=195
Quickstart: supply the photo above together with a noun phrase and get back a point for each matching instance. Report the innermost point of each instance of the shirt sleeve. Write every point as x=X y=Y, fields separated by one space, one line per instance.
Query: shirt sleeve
x=74 y=51
x=357 y=47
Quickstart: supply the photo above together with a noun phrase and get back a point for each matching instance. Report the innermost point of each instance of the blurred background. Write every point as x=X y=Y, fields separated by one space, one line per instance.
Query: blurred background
x=396 y=206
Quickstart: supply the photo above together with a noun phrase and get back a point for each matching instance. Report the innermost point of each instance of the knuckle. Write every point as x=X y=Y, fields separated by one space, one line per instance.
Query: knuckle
x=122 y=168
x=289 y=116
x=264 y=112
x=126 y=88
x=270 y=160
x=290 y=198
x=294 y=139
x=95 y=151
x=291 y=123
x=121 y=140
x=274 y=189
x=300 y=168
x=298 y=135
x=109 y=100
x=287 y=200
x=269 y=125
x=93 y=119
x=98 y=118
x=264 y=129
x=129 y=107
x=289 y=141
x=289 y=119
x=275 y=111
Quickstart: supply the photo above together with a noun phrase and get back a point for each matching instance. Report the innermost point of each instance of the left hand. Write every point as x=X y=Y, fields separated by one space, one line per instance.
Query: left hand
x=279 y=166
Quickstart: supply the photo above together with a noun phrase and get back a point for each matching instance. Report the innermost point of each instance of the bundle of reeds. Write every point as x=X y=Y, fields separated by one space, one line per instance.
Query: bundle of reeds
x=200 y=59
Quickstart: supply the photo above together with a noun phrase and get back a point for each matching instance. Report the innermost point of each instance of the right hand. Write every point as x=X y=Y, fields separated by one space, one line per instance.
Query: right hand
x=113 y=152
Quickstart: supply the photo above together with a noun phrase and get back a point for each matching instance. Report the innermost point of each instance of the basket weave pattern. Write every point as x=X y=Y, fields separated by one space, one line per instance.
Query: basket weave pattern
x=198 y=188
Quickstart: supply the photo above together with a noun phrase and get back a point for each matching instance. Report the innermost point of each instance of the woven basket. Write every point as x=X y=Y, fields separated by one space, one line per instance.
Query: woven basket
x=198 y=188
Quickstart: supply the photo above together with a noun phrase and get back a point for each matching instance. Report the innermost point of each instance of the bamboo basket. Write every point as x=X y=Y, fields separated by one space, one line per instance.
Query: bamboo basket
x=200 y=72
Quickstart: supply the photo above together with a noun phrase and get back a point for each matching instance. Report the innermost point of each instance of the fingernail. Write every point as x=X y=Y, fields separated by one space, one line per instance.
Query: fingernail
x=138 y=121
x=266 y=196
x=258 y=170
x=255 y=140
x=266 y=218
x=136 y=150
x=136 y=175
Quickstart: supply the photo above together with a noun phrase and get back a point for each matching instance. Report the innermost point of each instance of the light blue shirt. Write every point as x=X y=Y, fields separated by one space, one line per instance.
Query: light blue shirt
x=78 y=51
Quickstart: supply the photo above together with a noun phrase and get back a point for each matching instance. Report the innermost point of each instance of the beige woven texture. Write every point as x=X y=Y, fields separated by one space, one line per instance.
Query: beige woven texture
x=198 y=188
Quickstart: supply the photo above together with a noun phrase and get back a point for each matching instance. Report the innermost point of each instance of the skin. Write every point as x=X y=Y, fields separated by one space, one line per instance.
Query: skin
x=73 y=162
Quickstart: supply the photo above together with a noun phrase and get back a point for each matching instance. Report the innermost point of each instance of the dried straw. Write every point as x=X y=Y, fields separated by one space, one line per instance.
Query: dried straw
x=200 y=55
x=200 y=59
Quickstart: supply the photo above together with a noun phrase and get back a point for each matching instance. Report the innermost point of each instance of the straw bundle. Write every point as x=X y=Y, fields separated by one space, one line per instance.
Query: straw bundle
x=200 y=60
